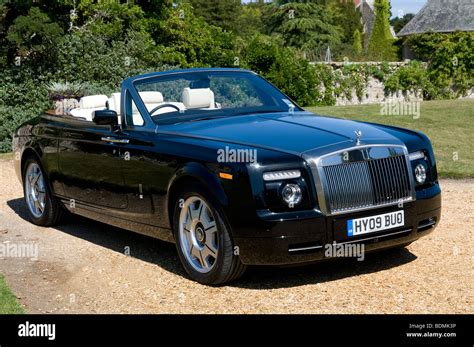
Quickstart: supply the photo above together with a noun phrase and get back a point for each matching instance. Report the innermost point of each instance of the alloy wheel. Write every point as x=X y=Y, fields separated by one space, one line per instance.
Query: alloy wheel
x=35 y=190
x=198 y=234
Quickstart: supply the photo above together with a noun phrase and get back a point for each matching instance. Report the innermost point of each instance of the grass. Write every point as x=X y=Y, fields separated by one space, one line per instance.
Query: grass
x=8 y=303
x=448 y=123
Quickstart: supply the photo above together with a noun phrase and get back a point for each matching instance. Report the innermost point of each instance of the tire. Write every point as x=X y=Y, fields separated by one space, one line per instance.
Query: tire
x=48 y=211
x=193 y=229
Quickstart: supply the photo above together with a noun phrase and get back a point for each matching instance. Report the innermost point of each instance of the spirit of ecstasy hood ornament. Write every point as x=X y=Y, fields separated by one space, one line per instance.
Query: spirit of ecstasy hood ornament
x=358 y=134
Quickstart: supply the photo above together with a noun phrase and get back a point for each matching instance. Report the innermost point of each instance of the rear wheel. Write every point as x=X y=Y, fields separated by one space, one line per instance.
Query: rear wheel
x=43 y=208
x=203 y=241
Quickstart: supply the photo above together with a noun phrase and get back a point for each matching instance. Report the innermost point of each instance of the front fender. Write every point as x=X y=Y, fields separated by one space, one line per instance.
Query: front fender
x=194 y=171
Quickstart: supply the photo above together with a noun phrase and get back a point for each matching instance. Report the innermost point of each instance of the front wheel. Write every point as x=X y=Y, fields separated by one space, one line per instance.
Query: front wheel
x=43 y=208
x=203 y=241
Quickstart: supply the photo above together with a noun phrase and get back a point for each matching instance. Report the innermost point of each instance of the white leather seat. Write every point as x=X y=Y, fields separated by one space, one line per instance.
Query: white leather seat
x=115 y=104
x=154 y=99
x=198 y=98
x=89 y=104
x=151 y=99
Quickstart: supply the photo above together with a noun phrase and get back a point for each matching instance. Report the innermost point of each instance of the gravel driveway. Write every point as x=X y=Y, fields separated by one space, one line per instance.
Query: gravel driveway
x=84 y=267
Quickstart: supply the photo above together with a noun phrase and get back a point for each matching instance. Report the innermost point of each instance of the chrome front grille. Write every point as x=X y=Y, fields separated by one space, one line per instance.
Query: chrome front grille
x=363 y=178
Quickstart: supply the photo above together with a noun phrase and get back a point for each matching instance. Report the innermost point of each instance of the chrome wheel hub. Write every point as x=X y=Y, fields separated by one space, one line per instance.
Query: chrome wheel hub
x=35 y=190
x=198 y=234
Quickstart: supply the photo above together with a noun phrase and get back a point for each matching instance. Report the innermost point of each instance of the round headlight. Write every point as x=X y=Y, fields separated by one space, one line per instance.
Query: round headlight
x=420 y=173
x=291 y=194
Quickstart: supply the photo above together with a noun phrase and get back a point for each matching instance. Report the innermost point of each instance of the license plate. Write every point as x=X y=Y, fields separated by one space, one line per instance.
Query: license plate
x=360 y=226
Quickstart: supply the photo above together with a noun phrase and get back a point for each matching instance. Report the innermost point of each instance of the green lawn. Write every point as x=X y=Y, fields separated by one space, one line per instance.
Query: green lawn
x=448 y=123
x=8 y=303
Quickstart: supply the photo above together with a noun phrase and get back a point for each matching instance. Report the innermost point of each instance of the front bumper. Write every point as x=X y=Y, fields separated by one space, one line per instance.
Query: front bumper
x=303 y=239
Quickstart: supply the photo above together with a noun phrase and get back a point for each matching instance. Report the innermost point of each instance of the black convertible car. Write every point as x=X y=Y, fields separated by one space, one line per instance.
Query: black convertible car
x=225 y=165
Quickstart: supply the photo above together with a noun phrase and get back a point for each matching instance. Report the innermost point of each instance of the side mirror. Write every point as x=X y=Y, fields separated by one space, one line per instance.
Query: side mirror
x=105 y=117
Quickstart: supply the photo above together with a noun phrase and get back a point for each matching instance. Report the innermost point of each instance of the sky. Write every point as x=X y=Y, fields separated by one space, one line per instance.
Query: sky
x=399 y=7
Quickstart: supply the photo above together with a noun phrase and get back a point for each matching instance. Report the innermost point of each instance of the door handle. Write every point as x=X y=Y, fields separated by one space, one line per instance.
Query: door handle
x=115 y=140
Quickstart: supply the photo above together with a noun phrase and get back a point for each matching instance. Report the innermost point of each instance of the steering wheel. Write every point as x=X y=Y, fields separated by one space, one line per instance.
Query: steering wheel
x=162 y=106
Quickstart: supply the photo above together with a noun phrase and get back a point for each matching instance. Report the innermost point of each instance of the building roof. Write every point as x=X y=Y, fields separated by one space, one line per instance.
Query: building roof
x=442 y=16
x=368 y=15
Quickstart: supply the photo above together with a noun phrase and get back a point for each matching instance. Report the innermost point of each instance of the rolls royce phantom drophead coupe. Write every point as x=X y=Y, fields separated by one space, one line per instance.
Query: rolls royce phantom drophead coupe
x=230 y=169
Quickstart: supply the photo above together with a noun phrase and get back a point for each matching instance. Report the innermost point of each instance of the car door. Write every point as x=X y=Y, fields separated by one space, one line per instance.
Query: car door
x=90 y=162
x=146 y=173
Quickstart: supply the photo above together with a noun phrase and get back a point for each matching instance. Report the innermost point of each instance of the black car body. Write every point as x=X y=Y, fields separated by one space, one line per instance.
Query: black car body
x=131 y=176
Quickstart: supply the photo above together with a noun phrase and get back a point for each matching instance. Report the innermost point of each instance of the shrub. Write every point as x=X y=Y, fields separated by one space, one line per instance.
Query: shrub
x=283 y=67
x=450 y=59
x=80 y=53
x=357 y=42
x=64 y=90
x=260 y=53
x=21 y=98
x=410 y=78
x=295 y=77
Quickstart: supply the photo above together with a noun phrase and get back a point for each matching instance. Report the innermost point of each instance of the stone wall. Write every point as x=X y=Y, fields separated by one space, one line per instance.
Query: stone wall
x=374 y=91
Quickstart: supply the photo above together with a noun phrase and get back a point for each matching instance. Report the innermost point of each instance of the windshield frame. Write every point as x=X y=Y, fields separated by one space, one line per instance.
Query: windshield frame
x=264 y=88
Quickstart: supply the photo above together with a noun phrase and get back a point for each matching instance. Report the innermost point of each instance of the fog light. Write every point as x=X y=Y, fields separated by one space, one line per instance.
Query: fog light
x=420 y=173
x=291 y=194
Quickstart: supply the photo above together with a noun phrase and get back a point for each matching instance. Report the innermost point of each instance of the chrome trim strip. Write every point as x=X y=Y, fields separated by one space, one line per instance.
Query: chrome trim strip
x=427 y=225
x=281 y=175
x=375 y=237
x=115 y=140
x=304 y=249
x=417 y=155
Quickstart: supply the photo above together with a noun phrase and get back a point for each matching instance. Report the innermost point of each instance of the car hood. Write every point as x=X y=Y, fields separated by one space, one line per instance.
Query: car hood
x=294 y=133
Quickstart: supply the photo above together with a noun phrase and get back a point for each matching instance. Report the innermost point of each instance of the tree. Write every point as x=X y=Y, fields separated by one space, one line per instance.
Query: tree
x=398 y=23
x=186 y=39
x=249 y=20
x=35 y=37
x=305 y=25
x=111 y=19
x=348 y=18
x=381 y=45
x=357 y=38
x=221 y=13
x=156 y=9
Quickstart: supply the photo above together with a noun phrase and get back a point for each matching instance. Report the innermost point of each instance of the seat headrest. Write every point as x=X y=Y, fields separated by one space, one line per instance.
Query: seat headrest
x=198 y=98
x=114 y=102
x=151 y=97
x=93 y=101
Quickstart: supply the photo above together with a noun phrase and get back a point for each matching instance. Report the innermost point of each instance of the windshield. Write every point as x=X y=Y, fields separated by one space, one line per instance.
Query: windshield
x=199 y=95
